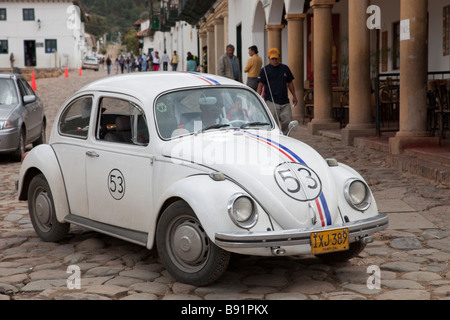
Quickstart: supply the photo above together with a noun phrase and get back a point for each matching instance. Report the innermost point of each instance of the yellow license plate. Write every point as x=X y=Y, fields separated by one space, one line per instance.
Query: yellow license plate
x=329 y=241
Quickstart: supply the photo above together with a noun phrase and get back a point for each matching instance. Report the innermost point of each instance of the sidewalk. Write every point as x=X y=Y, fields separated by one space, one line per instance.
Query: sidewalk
x=430 y=162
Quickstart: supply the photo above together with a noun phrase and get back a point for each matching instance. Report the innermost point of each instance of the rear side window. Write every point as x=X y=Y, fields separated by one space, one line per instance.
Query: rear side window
x=76 y=117
x=121 y=121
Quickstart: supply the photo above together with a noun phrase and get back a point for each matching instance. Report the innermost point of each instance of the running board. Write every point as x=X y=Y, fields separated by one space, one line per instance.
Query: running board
x=136 y=237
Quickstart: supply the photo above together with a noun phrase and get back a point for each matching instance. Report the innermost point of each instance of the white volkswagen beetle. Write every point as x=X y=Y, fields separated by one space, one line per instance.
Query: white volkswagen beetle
x=195 y=165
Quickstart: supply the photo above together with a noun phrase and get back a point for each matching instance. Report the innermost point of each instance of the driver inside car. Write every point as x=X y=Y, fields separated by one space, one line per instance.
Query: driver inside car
x=211 y=115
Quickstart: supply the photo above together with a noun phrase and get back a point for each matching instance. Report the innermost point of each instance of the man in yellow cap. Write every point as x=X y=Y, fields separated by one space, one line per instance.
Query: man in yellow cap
x=276 y=78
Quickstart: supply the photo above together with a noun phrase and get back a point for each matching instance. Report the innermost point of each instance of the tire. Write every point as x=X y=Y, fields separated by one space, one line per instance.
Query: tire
x=185 y=249
x=42 y=211
x=18 y=154
x=341 y=256
x=42 y=137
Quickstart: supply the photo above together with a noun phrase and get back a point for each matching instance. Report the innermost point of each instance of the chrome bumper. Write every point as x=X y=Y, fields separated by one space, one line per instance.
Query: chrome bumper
x=357 y=230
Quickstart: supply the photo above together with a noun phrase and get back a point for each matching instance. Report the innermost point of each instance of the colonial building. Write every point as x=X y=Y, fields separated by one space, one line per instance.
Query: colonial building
x=343 y=51
x=41 y=34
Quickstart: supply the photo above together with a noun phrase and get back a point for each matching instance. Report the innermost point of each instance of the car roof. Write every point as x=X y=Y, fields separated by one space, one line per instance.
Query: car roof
x=146 y=84
x=9 y=75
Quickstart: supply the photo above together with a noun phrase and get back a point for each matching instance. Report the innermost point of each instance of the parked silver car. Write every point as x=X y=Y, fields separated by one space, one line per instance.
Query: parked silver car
x=90 y=63
x=22 y=118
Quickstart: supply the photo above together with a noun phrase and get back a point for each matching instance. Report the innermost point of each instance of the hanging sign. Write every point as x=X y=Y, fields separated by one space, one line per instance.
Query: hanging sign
x=405 y=30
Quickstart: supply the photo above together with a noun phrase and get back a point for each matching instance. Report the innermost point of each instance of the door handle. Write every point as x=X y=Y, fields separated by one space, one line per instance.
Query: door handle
x=92 y=154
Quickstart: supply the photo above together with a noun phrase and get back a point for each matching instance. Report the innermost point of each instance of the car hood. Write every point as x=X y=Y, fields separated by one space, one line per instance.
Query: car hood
x=5 y=111
x=289 y=179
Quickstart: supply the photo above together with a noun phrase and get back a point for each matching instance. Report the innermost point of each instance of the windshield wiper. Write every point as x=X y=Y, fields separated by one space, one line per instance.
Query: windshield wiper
x=215 y=126
x=254 y=124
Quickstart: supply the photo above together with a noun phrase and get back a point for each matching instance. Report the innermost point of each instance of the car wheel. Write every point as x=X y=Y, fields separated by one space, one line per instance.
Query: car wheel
x=20 y=148
x=185 y=249
x=341 y=256
x=42 y=138
x=42 y=211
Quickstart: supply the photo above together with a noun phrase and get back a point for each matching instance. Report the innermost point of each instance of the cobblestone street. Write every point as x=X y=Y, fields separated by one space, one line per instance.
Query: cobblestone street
x=413 y=253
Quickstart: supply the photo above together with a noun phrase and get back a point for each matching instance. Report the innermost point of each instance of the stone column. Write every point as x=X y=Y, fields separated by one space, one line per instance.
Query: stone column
x=225 y=31
x=360 y=114
x=203 y=42
x=296 y=59
x=413 y=80
x=211 y=50
x=323 y=94
x=219 y=39
x=274 y=36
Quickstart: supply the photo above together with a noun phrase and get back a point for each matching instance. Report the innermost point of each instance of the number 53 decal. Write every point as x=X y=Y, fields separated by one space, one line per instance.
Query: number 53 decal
x=116 y=184
x=298 y=181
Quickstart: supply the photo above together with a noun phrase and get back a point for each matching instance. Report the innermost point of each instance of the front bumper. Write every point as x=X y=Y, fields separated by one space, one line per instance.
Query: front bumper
x=9 y=140
x=357 y=230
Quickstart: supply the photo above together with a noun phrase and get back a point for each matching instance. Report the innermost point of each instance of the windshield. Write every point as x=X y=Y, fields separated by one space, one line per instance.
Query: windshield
x=8 y=93
x=198 y=110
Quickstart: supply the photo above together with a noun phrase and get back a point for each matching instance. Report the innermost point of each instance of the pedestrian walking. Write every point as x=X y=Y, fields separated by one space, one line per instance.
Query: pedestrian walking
x=127 y=64
x=144 y=63
x=11 y=61
x=205 y=59
x=276 y=78
x=132 y=63
x=108 y=64
x=156 y=61
x=139 y=63
x=174 y=61
x=116 y=65
x=228 y=65
x=165 y=59
x=150 y=61
x=253 y=67
x=122 y=63
x=191 y=64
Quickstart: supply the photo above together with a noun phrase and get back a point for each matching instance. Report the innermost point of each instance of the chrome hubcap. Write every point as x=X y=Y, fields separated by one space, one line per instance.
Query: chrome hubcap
x=189 y=245
x=43 y=209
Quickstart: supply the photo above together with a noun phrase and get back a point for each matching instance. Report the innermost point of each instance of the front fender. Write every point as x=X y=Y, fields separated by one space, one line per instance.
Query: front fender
x=42 y=160
x=208 y=199
x=341 y=174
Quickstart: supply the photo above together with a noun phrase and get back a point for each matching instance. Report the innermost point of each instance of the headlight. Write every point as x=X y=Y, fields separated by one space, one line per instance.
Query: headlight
x=357 y=194
x=242 y=211
x=6 y=125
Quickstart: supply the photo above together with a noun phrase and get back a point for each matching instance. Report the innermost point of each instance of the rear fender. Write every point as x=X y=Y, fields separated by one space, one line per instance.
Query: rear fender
x=42 y=160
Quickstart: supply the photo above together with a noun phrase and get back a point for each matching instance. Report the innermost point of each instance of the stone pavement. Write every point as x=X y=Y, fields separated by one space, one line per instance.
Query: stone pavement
x=412 y=255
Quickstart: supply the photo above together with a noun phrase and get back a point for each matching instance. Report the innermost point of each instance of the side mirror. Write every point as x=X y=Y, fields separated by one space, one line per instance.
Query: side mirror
x=293 y=125
x=29 y=99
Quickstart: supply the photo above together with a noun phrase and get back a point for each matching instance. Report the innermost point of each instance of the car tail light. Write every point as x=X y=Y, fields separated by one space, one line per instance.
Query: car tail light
x=23 y=157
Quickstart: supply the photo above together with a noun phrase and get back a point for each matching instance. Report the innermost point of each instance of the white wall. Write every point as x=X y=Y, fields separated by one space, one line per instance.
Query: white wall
x=182 y=37
x=53 y=25
x=436 y=59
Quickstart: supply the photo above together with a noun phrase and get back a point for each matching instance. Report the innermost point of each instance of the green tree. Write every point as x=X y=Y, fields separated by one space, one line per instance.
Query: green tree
x=130 y=40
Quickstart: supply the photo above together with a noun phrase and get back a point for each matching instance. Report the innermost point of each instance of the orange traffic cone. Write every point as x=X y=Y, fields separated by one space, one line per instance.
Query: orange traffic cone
x=81 y=72
x=33 y=81
x=67 y=72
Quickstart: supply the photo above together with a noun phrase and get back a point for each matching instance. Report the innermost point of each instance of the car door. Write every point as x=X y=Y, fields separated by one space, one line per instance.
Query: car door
x=34 y=111
x=119 y=166
x=70 y=149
